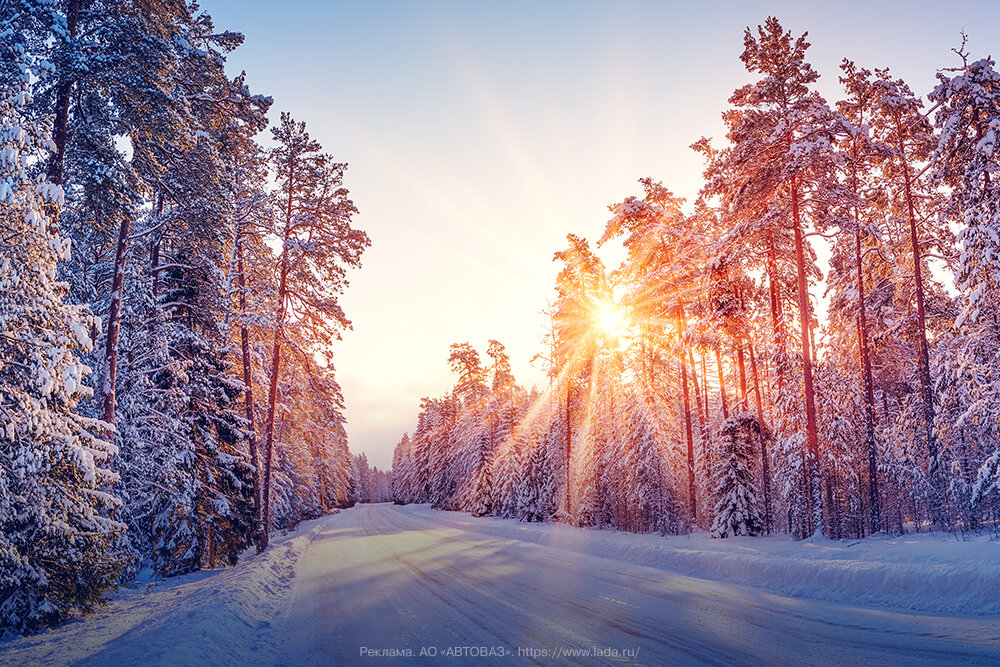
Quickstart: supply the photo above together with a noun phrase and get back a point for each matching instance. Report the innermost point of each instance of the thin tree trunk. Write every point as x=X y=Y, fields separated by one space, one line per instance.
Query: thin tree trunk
x=777 y=321
x=764 y=459
x=692 y=493
x=697 y=394
x=866 y=370
x=774 y=289
x=741 y=361
x=272 y=399
x=114 y=321
x=702 y=425
x=272 y=394
x=248 y=381
x=722 y=384
x=704 y=386
x=922 y=351
x=60 y=123
x=114 y=326
x=321 y=478
x=814 y=521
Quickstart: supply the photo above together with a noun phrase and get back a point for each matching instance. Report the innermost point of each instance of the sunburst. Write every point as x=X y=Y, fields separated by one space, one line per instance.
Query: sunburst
x=611 y=320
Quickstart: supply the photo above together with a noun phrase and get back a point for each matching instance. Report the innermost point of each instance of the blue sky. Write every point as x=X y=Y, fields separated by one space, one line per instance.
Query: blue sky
x=479 y=134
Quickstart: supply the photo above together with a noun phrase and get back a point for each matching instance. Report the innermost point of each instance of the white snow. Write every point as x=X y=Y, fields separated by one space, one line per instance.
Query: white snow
x=926 y=572
x=204 y=618
x=387 y=577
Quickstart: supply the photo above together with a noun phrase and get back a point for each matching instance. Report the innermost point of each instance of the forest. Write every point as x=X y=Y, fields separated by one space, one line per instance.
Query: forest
x=169 y=283
x=810 y=347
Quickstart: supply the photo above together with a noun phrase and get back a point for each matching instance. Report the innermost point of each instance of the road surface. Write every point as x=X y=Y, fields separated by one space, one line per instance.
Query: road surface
x=376 y=582
x=380 y=580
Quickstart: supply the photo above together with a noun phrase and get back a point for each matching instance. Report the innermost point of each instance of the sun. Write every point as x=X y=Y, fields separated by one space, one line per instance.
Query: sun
x=611 y=320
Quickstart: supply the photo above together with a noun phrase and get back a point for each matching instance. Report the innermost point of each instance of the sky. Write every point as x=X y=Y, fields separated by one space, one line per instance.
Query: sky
x=479 y=134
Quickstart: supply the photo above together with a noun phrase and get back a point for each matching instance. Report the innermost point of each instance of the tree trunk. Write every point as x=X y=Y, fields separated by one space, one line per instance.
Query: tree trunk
x=866 y=370
x=741 y=361
x=722 y=384
x=774 y=290
x=114 y=321
x=777 y=321
x=814 y=521
x=704 y=386
x=922 y=351
x=114 y=326
x=702 y=425
x=692 y=493
x=697 y=395
x=60 y=123
x=321 y=479
x=764 y=459
x=272 y=394
x=248 y=381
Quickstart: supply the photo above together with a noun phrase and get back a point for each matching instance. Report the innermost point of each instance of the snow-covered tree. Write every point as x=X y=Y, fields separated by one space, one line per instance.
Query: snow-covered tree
x=537 y=495
x=738 y=510
x=318 y=246
x=776 y=177
x=968 y=161
x=55 y=534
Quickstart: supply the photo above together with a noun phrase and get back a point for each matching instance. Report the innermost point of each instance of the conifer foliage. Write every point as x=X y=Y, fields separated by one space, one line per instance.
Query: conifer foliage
x=738 y=510
x=55 y=534
x=696 y=386
x=137 y=215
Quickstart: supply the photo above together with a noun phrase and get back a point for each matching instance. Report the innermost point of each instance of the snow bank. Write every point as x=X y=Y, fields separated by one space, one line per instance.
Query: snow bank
x=213 y=617
x=927 y=572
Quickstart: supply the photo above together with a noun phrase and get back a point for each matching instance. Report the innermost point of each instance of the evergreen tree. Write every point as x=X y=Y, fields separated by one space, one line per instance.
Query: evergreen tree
x=55 y=535
x=738 y=510
x=967 y=161
x=779 y=172
x=537 y=495
x=318 y=245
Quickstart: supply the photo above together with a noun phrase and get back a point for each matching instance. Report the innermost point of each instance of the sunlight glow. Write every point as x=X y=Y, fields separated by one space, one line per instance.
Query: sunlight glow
x=611 y=320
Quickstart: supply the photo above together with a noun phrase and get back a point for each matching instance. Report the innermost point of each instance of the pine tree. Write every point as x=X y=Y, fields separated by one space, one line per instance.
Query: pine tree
x=908 y=136
x=861 y=153
x=318 y=245
x=650 y=486
x=537 y=495
x=55 y=535
x=401 y=463
x=967 y=161
x=779 y=172
x=512 y=465
x=738 y=510
x=662 y=273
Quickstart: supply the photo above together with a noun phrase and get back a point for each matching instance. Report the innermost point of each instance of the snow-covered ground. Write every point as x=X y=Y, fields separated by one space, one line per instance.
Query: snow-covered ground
x=212 y=617
x=380 y=579
x=927 y=572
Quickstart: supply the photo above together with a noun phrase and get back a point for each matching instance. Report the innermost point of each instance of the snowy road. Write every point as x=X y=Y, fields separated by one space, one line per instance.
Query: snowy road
x=349 y=588
x=386 y=578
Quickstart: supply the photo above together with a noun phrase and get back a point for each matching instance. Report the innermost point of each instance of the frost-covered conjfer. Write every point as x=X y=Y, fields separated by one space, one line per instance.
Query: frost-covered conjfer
x=318 y=245
x=55 y=535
